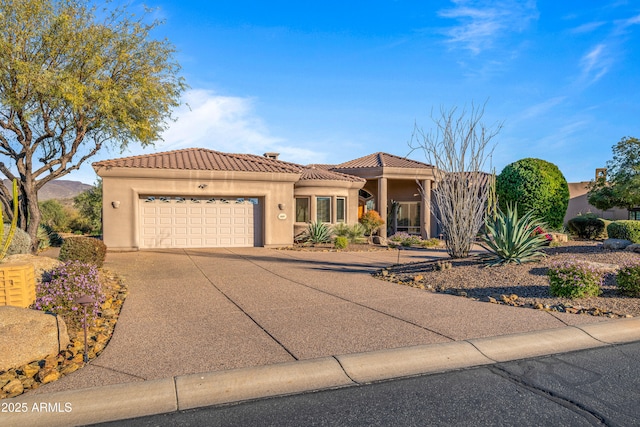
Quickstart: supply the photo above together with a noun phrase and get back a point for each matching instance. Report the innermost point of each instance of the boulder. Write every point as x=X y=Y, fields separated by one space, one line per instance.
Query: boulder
x=616 y=244
x=378 y=240
x=27 y=335
x=633 y=248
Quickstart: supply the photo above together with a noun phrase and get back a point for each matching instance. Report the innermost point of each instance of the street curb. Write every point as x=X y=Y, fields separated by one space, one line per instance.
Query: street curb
x=215 y=388
x=137 y=399
x=408 y=361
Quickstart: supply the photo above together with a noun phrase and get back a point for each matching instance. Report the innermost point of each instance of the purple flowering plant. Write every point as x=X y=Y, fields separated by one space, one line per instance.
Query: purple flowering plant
x=628 y=279
x=574 y=279
x=62 y=286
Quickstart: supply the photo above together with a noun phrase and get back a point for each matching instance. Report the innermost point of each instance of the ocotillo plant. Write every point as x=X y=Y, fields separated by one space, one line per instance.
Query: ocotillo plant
x=14 y=223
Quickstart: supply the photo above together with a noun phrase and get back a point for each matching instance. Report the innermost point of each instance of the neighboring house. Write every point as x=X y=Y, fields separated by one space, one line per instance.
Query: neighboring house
x=204 y=198
x=579 y=204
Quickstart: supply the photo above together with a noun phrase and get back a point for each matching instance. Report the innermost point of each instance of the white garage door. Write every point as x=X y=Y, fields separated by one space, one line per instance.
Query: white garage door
x=190 y=222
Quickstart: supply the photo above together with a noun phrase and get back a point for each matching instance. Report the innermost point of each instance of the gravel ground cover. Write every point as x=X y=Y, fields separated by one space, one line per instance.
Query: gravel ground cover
x=524 y=285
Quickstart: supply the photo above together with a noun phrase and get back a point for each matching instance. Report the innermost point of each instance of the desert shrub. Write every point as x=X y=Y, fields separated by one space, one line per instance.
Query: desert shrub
x=55 y=215
x=21 y=242
x=341 y=229
x=43 y=238
x=509 y=239
x=85 y=249
x=317 y=232
x=574 y=279
x=371 y=221
x=80 y=225
x=628 y=279
x=341 y=242
x=626 y=229
x=405 y=239
x=63 y=285
x=537 y=186
x=354 y=233
x=54 y=238
x=430 y=243
x=587 y=226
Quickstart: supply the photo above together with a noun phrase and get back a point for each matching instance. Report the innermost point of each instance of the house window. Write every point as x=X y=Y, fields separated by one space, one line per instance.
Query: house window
x=302 y=209
x=634 y=214
x=341 y=209
x=409 y=217
x=323 y=208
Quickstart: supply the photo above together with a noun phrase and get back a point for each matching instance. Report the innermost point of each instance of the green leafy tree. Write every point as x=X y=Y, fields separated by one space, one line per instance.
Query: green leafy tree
x=54 y=215
x=535 y=185
x=621 y=186
x=71 y=81
x=89 y=205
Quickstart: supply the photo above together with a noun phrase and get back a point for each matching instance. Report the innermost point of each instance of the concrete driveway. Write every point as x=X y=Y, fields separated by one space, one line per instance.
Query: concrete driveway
x=192 y=311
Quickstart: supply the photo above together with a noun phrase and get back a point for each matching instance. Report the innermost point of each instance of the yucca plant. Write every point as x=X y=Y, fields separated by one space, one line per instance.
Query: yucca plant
x=510 y=239
x=318 y=232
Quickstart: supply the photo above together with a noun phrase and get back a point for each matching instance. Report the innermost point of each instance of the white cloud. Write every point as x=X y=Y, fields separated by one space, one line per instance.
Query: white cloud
x=481 y=22
x=595 y=63
x=228 y=124
x=588 y=27
x=541 y=108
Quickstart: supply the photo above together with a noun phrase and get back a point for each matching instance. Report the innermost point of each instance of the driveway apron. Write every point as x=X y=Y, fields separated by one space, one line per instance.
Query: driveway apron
x=192 y=311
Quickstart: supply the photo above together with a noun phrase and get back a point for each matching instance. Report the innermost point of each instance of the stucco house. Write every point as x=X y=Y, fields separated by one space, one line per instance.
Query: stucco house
x=196 y=198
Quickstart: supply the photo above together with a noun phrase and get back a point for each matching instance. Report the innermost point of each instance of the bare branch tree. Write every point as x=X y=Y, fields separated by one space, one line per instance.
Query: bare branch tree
x=459 y=147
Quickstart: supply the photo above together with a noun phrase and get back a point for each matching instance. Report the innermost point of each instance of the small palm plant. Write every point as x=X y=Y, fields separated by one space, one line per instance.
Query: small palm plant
x=510 y=239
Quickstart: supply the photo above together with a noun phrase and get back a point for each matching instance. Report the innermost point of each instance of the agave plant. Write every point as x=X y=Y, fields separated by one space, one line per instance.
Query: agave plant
x=510 y=239
x=318 y=232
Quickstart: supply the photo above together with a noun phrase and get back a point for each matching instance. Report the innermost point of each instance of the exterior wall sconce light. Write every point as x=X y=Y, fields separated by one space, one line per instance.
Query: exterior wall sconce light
x=202 y=186
x=115 y=204
x=281 y=206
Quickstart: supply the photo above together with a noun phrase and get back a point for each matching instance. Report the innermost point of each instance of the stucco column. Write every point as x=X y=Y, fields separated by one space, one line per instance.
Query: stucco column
x=425 y=209
x=382 y=205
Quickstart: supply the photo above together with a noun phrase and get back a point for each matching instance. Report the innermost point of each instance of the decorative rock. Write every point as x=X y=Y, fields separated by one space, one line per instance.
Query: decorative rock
x=13 y=388
x=48 y=375
x=5 y=378
x=490 y=299
x=27 y=335
x=616 y=244
x=378 y=240
x=418 y=278
x=635 y=247
x=607 y=268
x=72 y=367
x=30 y=370
x=559 y=237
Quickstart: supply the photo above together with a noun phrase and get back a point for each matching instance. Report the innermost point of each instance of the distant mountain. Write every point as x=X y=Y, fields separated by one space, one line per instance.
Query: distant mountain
x=59 y=189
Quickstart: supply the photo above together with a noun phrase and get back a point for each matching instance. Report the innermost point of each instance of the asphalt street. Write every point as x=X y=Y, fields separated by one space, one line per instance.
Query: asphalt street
x=599 y=387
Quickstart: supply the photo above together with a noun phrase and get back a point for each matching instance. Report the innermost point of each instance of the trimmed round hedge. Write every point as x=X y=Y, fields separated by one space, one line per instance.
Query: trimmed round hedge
x=535 y=185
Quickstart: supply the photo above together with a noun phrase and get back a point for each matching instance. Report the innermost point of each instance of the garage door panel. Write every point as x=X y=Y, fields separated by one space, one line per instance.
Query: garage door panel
x=189 y=222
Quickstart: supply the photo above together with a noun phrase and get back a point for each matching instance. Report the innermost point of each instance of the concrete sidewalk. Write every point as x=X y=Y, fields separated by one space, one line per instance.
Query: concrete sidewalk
x=203 y=327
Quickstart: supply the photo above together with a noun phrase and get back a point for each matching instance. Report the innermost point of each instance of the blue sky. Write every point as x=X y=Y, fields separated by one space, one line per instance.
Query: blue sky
x=327 y=82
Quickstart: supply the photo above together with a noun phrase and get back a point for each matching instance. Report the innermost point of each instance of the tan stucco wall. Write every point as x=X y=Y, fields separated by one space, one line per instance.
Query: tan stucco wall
x=126 y=185
x=333 y=189
x=578 y=204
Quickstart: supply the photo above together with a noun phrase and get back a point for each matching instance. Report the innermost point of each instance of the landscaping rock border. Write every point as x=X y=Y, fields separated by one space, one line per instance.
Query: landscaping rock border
x=31 y=375
x=523 y=285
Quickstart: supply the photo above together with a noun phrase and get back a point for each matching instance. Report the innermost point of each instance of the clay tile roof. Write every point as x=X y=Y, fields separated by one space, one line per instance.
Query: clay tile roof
x=321 y=166
x=377 y=160
x=312 y=172
x=202 y=159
